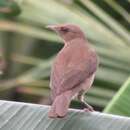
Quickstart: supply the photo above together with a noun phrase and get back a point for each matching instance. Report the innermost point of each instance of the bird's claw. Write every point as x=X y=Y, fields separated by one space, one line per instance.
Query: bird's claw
x=89 y=109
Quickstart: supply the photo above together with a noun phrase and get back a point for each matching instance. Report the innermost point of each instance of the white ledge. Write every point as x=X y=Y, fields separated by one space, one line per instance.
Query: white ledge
x=24 y=116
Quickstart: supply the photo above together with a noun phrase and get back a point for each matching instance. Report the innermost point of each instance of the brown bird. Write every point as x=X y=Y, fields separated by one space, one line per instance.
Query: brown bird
x=73 y=70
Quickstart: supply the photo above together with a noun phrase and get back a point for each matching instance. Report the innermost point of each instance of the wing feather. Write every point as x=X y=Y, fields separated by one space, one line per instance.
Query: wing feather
x=72 y=76
x=70 y=70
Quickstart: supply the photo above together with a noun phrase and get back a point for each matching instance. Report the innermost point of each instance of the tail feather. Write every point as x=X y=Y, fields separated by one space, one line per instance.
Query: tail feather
x=60 y=105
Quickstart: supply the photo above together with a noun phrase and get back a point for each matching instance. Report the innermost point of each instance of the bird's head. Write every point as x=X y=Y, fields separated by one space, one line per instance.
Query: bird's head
x=67 y=32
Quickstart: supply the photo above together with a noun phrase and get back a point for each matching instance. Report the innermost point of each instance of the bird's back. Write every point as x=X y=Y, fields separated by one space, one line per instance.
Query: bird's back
x=76 y=54
x=74 y=58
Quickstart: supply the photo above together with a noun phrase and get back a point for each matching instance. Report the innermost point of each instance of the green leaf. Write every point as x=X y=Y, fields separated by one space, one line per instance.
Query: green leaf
x=113 y=24
x=9 y=8
x=119 y=9
x=24 y=116
x=120 y=104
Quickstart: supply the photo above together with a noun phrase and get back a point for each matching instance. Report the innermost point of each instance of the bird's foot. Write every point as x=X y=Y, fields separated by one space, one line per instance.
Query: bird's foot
x=89 y=109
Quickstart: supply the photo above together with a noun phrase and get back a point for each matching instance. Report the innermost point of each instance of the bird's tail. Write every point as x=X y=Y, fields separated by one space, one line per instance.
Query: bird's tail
x=60 y=105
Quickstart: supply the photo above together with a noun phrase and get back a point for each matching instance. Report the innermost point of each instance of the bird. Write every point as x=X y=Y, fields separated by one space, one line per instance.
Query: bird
x=73 y=70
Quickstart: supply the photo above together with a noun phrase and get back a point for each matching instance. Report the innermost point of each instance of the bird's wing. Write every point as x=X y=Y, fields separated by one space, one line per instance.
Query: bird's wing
x=72 y=76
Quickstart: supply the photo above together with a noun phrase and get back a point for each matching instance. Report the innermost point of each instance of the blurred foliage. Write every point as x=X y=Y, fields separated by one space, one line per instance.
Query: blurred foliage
x=28 y=48
x=8 y=9
x=120 y=103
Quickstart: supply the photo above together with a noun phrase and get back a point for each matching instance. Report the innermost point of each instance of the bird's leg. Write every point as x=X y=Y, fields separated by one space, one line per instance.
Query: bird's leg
x=81 y=99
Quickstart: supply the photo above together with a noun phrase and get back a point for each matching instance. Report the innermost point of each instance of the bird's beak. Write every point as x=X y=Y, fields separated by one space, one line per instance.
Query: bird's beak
x=53 y=27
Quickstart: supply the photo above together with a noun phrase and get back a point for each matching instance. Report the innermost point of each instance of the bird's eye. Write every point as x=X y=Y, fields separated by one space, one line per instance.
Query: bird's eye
x=64 y=29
